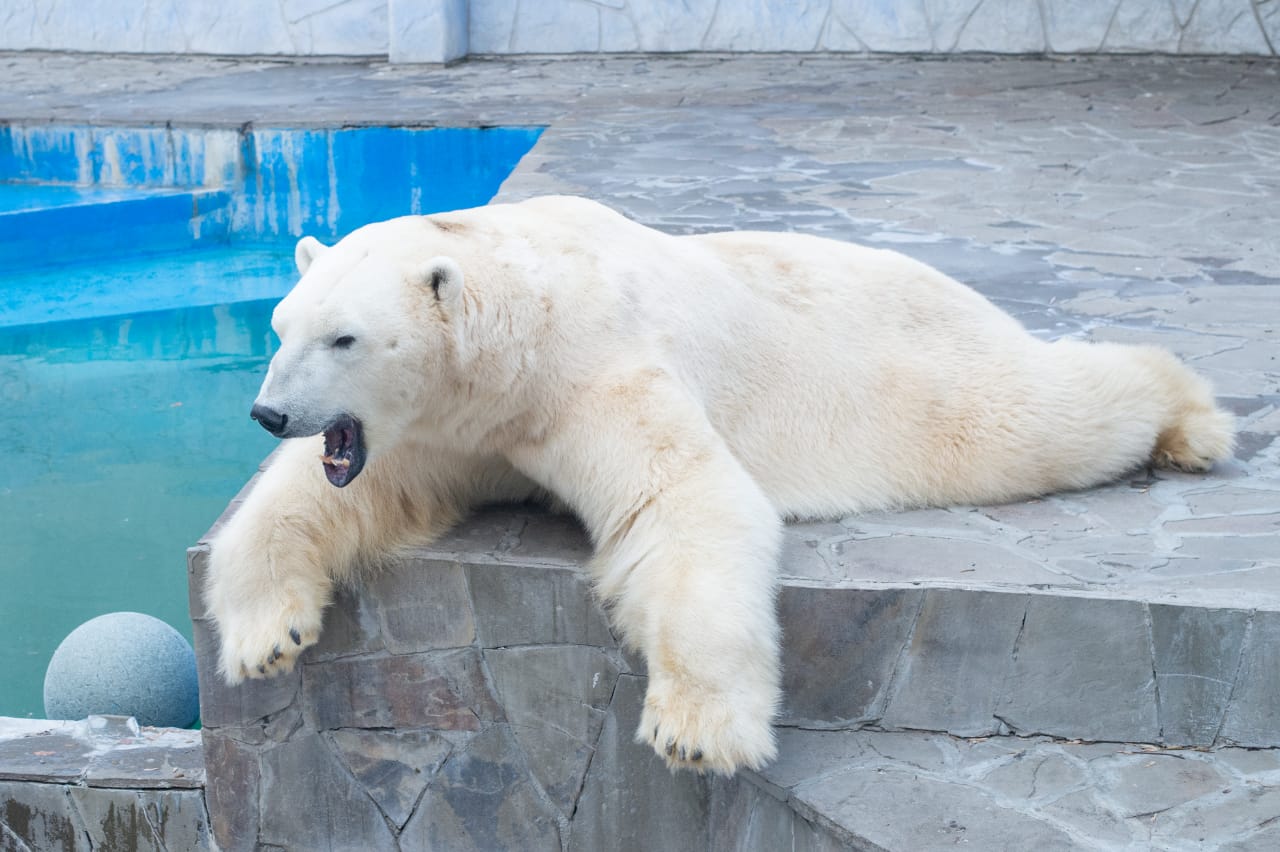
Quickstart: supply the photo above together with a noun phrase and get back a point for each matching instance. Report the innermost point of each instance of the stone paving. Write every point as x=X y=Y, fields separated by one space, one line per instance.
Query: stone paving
x=1127 y=199
x=919 y=791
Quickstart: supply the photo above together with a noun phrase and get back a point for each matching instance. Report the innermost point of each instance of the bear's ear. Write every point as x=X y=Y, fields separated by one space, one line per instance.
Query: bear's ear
x=444 y=277
x=307 y=250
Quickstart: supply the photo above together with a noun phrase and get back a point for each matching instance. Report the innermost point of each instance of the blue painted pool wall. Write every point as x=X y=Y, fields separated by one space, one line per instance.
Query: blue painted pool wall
x=327 y=183
x=120 y=156
x=281 y=182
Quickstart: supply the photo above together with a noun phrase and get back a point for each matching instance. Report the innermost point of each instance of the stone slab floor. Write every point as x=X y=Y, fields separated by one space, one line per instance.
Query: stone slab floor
x=922 y=791
x=1124 y=199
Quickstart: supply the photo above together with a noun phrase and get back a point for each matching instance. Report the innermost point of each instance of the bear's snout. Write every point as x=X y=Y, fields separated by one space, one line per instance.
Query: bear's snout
x=270 y=419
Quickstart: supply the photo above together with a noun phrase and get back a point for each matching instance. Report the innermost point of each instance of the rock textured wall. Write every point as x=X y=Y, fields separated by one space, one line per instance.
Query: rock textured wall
x=469 y=696
x=472 y=696
x=442 y=30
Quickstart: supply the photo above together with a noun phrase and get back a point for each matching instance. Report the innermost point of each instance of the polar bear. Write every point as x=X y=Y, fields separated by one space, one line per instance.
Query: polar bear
x=684 y=395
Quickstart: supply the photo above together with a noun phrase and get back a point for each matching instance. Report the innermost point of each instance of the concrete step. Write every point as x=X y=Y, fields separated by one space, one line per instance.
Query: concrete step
x=101 y=783
x=1126 y=635
x=916 y=792
x=1145 y=612
x=488 y=650
x=55 y=224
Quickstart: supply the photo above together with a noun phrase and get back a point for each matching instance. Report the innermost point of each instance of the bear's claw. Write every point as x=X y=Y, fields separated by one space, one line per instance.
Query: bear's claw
x=241 y=660
x=706 y=732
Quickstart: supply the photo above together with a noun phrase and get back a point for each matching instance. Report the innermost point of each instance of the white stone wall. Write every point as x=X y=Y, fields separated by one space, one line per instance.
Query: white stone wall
x=441 y=30
x=268 y=27
x=915 y=26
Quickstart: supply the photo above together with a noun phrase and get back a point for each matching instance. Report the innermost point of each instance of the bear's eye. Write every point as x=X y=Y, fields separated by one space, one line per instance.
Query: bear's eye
x=344 y=342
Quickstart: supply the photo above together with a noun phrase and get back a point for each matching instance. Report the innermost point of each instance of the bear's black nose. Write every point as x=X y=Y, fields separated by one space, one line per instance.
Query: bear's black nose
x=271 y=420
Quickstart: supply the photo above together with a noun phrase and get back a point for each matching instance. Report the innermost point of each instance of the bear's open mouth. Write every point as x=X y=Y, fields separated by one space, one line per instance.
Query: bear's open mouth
x=343 y=450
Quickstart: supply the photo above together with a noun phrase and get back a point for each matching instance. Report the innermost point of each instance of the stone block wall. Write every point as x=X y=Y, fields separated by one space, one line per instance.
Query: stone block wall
x=468 y=696
x=471 y=695
x=444 y=30
x=980 y=662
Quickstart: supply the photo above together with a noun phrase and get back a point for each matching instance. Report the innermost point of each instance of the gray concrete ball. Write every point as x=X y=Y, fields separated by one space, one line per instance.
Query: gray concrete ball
x=124 y=663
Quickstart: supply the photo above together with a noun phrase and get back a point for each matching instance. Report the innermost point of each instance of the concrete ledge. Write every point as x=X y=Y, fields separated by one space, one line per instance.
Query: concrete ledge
x=920 y=792
x=981 y=662
x=486 y=652
x=103 y=783
x=971 y=660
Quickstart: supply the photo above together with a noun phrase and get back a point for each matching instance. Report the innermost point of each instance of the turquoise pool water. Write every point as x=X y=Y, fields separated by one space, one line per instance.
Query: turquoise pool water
x=135 y=330
x=126 y=436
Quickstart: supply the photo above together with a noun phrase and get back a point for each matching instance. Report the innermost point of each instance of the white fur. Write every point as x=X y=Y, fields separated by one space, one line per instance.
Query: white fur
x=683 y=395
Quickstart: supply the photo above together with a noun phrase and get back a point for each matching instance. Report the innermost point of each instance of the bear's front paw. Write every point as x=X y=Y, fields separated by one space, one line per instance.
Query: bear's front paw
x=259 y=643
x=691 y=727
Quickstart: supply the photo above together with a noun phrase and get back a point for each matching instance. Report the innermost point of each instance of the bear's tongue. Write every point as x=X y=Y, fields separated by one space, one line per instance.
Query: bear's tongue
x=343 y=456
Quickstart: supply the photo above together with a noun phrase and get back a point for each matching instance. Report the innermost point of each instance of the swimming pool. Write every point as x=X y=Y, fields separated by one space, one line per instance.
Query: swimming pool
x=126 y=372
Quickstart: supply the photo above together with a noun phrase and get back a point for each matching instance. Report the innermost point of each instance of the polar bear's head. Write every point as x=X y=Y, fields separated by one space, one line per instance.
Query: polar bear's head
x=366 y=343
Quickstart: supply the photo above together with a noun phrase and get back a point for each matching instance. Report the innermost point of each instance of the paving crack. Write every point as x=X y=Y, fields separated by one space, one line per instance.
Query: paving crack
x=1013 y=658
x=826 y=25
x=1155 y=675
x=422 y=794
x=1245 y=642
x=595 y=746
x=1262 y=28
x=1111 y=22
x=154 y=824
x=1044 y=24
x=1035 y=777
x=964 y=25
x=78 y=817
x=1150 y=814
x=11 y=839
x=901 y=662
x=1009 y=730
x=1224 y=119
